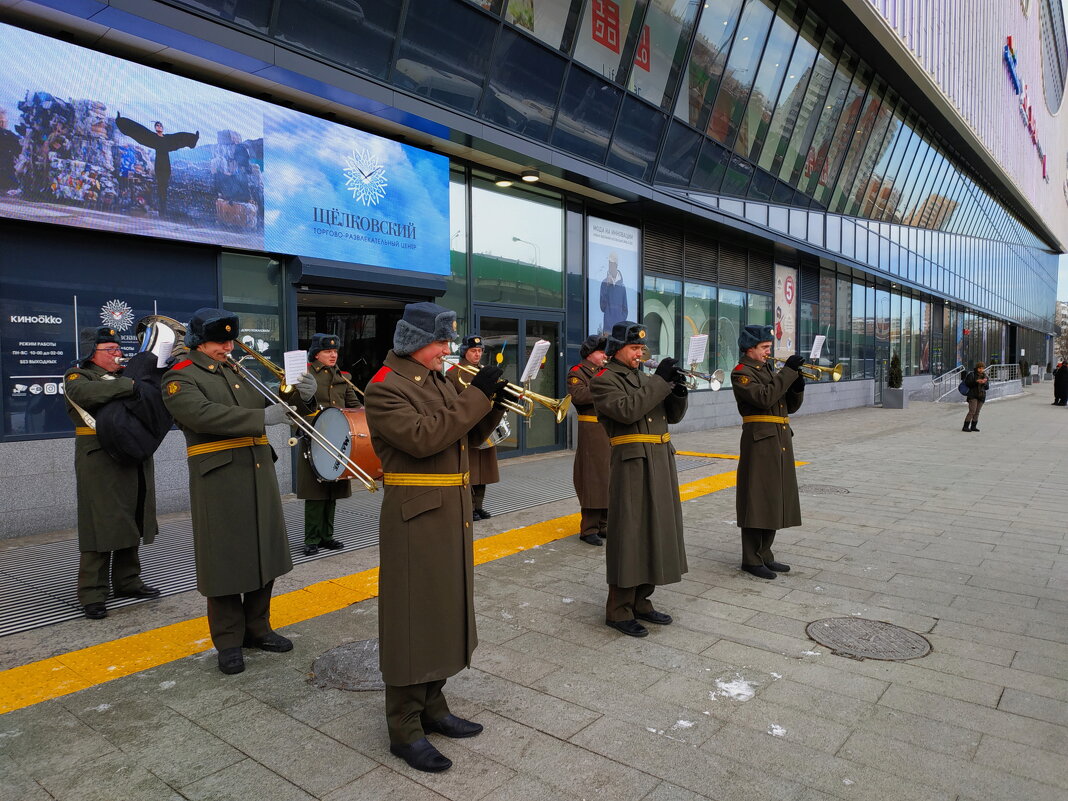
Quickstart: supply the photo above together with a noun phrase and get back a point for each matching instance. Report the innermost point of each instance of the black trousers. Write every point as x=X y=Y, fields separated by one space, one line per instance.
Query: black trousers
x=756 y=546
x=233 y=617
x=409 y=707
x=124 y=565
x=478 y=495
x=625 y=602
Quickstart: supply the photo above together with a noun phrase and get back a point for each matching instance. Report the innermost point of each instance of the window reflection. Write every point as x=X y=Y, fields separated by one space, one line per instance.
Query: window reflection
x=699 y=317
x=753 y=125
x=794 y=87
x=662 y=45
x=637 y=135
x=714 y=31
x=357 y=34
x=249 y=13
x=455 y=296
x=660 y=303
x=523 y=86
x=830 y=142
x=444 y=52
x=586 y=115
x=679 y=156
x=850 y=147
x=545 y=19
x=516 y=246
x=808 y=117
x=741 y=68
x=729 y=322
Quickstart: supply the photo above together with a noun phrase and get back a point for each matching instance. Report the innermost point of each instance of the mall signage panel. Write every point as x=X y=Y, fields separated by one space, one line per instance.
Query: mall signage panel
x=96 y=142
x=1027 y=111
x=785 y=344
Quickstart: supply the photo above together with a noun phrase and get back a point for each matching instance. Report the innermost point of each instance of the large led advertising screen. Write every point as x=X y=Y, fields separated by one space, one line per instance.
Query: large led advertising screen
x=96 y=142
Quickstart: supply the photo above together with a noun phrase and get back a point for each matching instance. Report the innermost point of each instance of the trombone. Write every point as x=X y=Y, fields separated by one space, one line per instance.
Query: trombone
x=813 y=372
x=523 y=400
x=714 y=379
x=294 y=416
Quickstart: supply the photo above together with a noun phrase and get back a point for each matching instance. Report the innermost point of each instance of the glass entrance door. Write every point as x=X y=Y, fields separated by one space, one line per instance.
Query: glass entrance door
x=508 y=338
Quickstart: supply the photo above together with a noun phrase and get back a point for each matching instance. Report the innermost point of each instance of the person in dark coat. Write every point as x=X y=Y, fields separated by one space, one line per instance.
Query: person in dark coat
x=239 y=534
x=162 y=143
x=977 y=381
x=419 y=427
x=1060 y=384
x=593 y=453
x=482 y=453
x=613 y=298
x=321 y=497
x=645 y=546
x=116 y=501
x=767 y=498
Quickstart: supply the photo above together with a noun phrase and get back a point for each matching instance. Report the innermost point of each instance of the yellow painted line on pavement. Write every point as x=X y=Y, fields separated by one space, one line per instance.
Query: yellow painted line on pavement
x=56 y=676
x=708 y=455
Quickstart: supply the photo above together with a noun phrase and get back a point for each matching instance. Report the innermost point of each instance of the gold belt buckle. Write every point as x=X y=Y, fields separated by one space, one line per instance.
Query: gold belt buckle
x=466 y=479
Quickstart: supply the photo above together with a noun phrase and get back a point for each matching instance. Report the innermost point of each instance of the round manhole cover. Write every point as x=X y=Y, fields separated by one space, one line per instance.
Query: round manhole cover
x=868 y=639
x=353 y=666
x=822 y=489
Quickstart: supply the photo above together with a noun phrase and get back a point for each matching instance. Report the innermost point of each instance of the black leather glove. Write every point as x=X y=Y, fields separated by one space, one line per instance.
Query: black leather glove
x=487 y=379
x=680 y=391
x=798 y=385
x=795 y=362
x=668 y=370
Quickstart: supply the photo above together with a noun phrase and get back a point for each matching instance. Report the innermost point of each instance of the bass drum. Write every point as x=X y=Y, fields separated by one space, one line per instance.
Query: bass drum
x=345 y=429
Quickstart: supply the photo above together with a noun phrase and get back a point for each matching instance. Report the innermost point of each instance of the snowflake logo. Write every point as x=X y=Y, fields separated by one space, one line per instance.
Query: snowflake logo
x=117 y=313
x=365 y=177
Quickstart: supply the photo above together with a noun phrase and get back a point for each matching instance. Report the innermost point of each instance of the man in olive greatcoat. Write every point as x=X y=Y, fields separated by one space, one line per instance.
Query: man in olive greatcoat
x=593 y=453
x=320 y=497
x=646 y=546
x=426 y=618
x=239 y=534
x=767 y=481
x=116 y=502
x=482 y=456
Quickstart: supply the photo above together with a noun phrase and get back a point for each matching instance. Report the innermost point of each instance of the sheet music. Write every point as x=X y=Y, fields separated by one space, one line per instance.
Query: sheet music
x=295 y=363
x=817 y=348
x=537 y=353
x=697 y=350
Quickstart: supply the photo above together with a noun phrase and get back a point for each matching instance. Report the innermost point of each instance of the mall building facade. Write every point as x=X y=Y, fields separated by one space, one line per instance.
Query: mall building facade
x=871 y=177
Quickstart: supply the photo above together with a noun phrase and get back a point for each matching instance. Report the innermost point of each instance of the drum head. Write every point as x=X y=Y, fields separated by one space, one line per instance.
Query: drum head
x=333 y=425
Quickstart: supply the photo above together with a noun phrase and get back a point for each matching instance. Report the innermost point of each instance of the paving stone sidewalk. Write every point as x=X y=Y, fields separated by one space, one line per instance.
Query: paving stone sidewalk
x=959 y=537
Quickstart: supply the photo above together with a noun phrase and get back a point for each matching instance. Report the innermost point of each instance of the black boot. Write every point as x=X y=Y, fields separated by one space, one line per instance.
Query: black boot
x=975 y=426
x=967 y=426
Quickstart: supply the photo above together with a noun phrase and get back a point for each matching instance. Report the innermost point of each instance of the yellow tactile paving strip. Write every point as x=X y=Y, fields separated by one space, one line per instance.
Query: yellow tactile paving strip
x=61 y=675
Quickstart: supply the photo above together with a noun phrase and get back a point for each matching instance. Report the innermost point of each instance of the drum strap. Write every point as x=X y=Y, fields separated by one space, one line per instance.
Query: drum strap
x=765 y=418
x=84 y=431
x=587 y=418
x=225 y=445
x=626 y=439
x=426 y=479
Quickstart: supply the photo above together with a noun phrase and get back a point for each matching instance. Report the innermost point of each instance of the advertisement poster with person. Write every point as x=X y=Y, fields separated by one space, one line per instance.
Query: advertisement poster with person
x=612 y=256
x=785 y=321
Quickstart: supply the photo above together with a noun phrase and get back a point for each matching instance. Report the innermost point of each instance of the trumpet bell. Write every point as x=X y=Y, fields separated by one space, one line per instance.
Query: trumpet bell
x=159 y=335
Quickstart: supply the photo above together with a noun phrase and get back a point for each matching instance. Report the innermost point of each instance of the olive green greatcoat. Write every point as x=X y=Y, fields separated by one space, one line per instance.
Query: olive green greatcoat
x=239 y=534
x=767 y=480
x=426 y=615
x=483 y=461
x=645 y=543
x=593 y=453
x=107 y=491
x=331 y=391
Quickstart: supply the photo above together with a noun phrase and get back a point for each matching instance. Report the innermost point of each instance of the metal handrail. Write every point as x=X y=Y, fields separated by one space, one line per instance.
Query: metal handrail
x=1003 y=381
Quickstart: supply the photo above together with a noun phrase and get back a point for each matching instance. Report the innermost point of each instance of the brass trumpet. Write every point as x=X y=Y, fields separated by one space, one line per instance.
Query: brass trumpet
x=714 y=379
x=813 y=372
x=523 y=399
x=295 y=418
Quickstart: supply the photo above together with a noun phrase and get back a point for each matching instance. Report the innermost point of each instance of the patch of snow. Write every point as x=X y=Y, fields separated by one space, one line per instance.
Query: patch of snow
x=505 y=615
x=775 y=730
x=811 y=653
x=10 y=733
x=568 y=600
x=528 y=561
x=848 y=782
x=682 y=724
x=776 y=676
x=737 y=689
x=166 y=685
x=101 y=708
